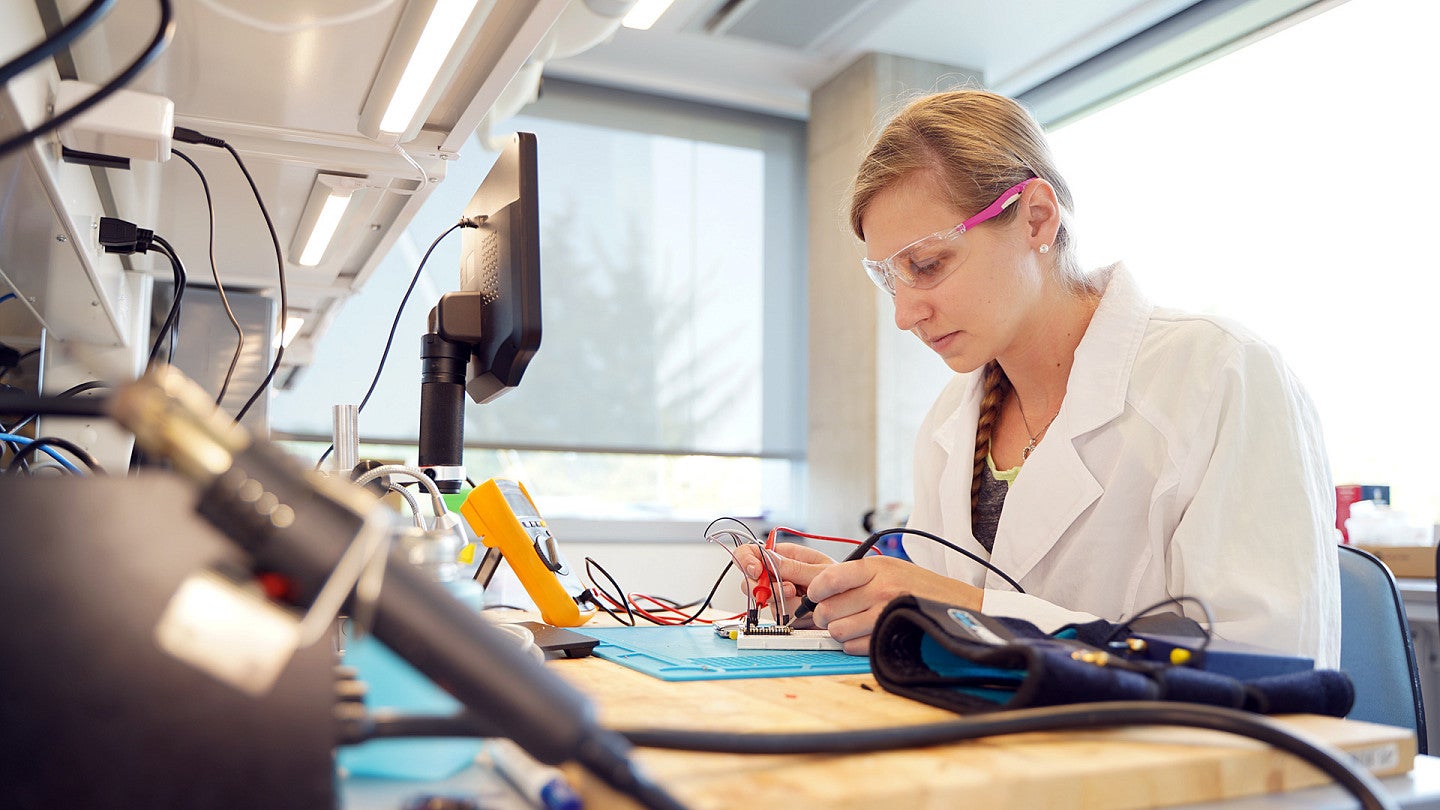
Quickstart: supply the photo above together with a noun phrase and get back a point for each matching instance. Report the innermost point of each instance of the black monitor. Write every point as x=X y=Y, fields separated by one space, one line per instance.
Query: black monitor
x=500 y=260
x=482 y=337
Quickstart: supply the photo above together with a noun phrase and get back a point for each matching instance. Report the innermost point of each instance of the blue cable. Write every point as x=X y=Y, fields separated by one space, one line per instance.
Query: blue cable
x=6 y=297
x=44 y=448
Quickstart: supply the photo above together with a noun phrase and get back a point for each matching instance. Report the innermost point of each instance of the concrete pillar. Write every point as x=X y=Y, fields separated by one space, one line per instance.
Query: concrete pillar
x=869 y=384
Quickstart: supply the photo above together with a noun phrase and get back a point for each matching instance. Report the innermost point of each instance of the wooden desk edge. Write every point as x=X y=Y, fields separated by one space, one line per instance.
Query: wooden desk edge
x=1106 y=769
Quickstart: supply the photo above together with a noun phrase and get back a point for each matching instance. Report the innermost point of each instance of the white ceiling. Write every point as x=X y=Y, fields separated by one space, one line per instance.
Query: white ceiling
x=768 y=55
x=283 y=80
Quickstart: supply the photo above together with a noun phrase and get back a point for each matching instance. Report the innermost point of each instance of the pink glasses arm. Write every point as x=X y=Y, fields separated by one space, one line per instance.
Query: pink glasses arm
x=994 y=209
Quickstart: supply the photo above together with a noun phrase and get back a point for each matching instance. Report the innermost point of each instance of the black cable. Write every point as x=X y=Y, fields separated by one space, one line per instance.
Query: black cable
x=711 y=526
x=53 y=405
x=875 y=537
x=53 y=44
x=215 y=273
x=172 y=318
x=1173 y=600
x=56 y=405
x=1335 y=764
x=22 y=358
x=624 y=600
x=806 y=605
x=28 y=451
x=1082 y=717
x=395 y=325
x=706 y=604
x=280 y=269
x=164 y=32
x=590 y=561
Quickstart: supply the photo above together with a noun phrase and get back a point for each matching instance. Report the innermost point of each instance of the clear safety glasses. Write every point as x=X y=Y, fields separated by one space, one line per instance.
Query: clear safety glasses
x=929 y=260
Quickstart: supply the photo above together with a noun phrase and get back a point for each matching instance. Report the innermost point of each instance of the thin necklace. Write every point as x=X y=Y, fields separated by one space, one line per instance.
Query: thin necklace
x=1034 y=436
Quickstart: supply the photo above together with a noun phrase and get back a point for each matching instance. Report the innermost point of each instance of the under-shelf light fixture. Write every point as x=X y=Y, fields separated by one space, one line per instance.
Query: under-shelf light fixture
x=329 y=199
x=293 y=325
x=644 y=14
x=421 y=60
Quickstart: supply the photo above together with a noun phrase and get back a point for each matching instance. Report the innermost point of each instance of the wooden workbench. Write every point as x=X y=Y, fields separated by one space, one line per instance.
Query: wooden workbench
x=1100 y=770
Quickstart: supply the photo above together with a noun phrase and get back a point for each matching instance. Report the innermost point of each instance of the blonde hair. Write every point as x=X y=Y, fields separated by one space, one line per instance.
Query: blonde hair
x=996 y=386
x=975 y=145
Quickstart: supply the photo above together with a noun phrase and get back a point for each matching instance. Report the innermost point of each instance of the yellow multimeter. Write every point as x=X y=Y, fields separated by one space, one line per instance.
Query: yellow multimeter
x=502 y=515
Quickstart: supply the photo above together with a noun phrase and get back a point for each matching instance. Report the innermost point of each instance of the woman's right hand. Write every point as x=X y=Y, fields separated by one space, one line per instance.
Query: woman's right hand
x=797 y=565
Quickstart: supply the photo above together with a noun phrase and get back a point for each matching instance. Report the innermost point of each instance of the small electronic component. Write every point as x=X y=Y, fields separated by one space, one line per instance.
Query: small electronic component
x=786 y=638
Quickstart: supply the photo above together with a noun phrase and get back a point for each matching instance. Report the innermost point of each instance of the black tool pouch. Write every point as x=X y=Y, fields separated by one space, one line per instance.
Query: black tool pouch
x=966 y=661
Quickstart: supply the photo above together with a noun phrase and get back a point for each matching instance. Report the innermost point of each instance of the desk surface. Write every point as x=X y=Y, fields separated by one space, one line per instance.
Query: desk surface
x=1141 y=767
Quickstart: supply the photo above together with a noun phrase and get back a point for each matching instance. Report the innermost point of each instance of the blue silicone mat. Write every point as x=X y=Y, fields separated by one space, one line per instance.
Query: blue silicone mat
x=697 y=654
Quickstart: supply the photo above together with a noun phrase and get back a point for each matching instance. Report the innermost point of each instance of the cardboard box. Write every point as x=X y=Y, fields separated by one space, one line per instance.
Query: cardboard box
x=1406 y=561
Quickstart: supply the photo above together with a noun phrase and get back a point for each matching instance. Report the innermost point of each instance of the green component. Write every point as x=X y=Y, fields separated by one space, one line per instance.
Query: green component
x=454 y=499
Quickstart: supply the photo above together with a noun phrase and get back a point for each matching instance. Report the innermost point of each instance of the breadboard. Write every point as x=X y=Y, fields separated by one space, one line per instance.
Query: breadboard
x=697 y=654
x=794 y=640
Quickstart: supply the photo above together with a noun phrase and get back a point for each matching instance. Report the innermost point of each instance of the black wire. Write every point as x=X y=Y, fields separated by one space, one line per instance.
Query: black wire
x=875 y=537
x=280 y=269
x=54 y=44
x=1174 y=600
x=215 y=273
x=173 y=316
x=748 y=530
x=14 y=448
x=704 y=604
x=89 y=385
x=380 y=367
x=589 y=562
x=164 y=32
x=22 y=358
x=28 y=451
x=1335 y=764
x=1085 y=717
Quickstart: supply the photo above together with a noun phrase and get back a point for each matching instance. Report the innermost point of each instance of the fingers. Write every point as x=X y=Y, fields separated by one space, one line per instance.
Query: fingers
x=845 y=577
x=796 y=565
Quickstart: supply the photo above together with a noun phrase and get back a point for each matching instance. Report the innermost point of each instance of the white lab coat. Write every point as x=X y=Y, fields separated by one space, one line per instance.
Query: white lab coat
x=1186 y=460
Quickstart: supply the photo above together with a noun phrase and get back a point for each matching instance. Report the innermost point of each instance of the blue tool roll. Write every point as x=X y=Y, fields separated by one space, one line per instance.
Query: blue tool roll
x=966 y=661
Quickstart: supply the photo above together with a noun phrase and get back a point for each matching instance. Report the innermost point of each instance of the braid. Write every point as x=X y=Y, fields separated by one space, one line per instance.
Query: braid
x=996 y=387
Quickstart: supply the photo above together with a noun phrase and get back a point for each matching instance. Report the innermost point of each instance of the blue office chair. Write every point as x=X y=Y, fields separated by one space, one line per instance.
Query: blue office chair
x=1375 y=645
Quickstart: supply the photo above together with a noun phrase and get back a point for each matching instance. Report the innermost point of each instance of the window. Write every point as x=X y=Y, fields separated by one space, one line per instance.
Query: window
x=669 y=381
x=1289 y=185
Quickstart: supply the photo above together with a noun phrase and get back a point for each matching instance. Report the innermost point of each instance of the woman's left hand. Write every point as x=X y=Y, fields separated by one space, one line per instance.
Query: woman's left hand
x=849 y=596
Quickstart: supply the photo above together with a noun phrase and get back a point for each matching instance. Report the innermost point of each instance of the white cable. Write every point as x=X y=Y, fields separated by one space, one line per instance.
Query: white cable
x=436 y=500
x=414 y=504
x=424 y=178
x=294 y=28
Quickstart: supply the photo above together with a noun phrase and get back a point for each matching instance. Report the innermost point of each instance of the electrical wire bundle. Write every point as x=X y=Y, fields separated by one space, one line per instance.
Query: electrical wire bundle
x=91 y=14
x=654 y=608
x=23 y=449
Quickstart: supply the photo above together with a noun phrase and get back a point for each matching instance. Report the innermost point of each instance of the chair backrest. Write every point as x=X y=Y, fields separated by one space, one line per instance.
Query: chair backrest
x=1375 y=645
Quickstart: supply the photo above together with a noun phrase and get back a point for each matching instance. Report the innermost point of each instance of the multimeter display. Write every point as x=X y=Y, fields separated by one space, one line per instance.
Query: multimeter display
x=519 y=501
x=503 y=516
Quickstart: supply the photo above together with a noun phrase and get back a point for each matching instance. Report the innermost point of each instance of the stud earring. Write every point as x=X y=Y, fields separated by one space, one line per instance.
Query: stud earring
x=1044 y=248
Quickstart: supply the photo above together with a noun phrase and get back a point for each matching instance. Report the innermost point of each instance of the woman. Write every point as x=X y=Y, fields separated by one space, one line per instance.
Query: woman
x=1104 y=453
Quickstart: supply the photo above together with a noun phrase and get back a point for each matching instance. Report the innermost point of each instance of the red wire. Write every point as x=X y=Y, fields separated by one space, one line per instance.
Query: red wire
x=770 y=539
x=666 y=608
